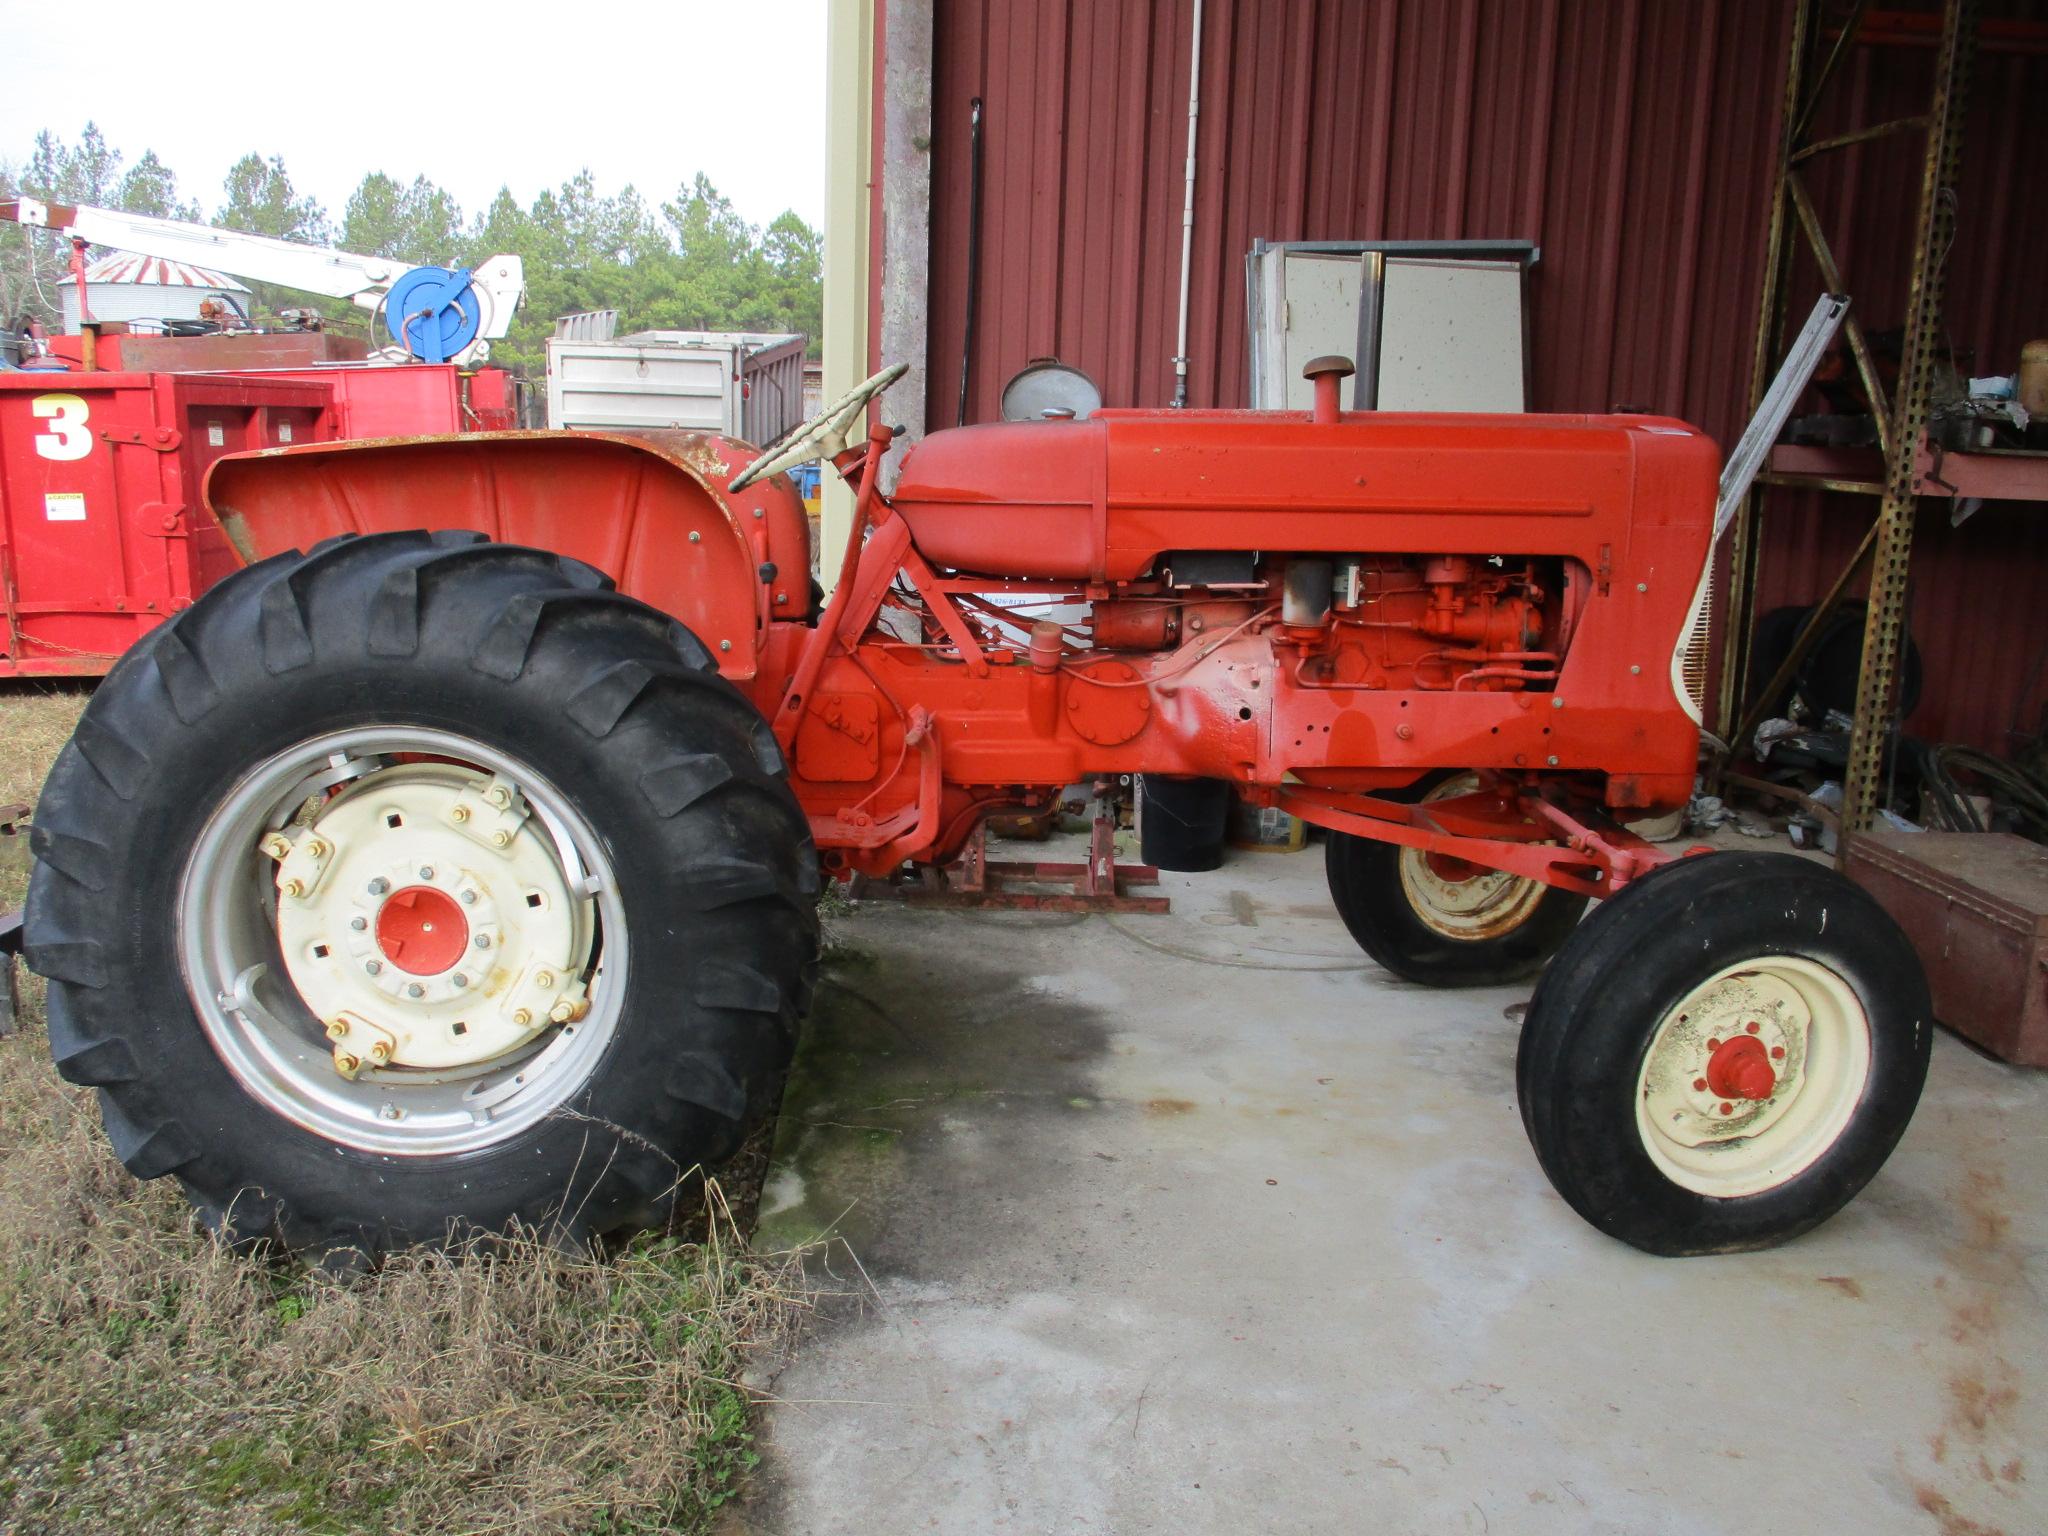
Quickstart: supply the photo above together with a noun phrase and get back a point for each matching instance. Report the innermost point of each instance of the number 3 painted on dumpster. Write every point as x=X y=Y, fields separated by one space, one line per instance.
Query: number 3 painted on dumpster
x=67 y=437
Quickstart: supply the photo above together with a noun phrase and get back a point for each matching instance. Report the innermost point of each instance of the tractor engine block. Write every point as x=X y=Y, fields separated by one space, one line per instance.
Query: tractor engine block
x=1443 y=622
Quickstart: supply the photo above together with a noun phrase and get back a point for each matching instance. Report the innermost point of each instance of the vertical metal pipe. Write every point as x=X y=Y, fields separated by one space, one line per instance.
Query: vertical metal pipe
x=973 y=250
x=1187 y=214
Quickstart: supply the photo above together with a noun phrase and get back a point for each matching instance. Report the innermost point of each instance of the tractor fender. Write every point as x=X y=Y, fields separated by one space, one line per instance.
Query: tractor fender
x=651 y=511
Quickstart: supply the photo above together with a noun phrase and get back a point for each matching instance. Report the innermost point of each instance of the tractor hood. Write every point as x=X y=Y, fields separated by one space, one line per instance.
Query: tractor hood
x=1102 y=499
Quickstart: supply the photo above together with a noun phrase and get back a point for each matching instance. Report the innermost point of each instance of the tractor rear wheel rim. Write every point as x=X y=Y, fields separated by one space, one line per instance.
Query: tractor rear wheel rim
x=1752 y=1076
x=243 y=984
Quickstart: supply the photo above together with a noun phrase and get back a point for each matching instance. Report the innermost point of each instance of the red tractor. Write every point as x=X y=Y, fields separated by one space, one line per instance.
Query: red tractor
x=462 y=870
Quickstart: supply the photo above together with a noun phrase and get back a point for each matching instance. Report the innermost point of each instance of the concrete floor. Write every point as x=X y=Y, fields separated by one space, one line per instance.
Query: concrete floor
x=1249 y=1238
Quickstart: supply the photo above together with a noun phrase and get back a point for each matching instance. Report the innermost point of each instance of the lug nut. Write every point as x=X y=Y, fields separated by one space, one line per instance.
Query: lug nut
x=499 y=796
x=315 y=849
x=544 y=979
x=380 y=1051
x=459 y=814
x=1727 y=1108
x=1753 y=1027
x=277 y=845
x=426 y=871
x=336 y=1029
x=521 y=1017
x=469 y=898
x=346 y=1064
x=379 y=886
x=415 y=990
x=459 y=979
x=293 y=887
x=1777 y=1053
x=1699 y=1085
x=562 y=1012
x=389 y=1112
x=483 y=941
x=501 y=839
x=358 y=924
x=373 y=966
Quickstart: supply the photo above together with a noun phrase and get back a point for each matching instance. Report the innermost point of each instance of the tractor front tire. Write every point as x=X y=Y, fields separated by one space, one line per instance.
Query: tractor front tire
x=1440 y=922
x=421 y=887
x=1724 y=1054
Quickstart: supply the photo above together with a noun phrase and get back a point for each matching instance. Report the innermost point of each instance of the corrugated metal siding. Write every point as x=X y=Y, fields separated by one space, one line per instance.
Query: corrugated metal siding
x=1633 y=141
x=1330 y=120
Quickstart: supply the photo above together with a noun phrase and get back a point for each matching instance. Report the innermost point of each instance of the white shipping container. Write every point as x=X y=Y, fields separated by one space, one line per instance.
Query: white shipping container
x=742 y=384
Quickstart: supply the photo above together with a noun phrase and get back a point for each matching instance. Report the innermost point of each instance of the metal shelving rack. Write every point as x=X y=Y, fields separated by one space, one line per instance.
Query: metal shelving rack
x=1908 y=470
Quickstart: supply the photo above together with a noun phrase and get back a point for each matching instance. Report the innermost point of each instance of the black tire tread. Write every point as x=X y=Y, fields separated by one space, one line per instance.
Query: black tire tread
x=1365 y=884
x=1589 y=1023
x=680 y=742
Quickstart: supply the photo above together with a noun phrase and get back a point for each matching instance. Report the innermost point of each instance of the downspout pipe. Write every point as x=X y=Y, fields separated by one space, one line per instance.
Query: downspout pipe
x=1187 y=214
x=973 y=251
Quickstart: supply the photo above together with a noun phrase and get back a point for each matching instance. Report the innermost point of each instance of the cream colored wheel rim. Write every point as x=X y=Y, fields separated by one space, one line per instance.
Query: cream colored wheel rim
x=1487 y=904
x=286 y=928
x=1805 y=1023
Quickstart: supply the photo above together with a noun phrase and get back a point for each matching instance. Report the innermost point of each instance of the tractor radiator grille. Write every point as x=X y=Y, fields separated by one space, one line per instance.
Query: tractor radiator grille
x=1689 y=661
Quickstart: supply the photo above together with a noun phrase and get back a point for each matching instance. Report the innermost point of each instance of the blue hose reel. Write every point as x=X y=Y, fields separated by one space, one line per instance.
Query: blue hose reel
x=433 y=312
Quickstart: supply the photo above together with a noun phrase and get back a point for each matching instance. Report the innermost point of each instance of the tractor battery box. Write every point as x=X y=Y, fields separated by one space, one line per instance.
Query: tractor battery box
x=1975 y=906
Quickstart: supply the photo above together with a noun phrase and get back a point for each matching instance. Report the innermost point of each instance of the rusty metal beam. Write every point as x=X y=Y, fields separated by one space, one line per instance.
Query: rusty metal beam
x=1860 y=136
x=1844 y=41
x=1831 y=276
x=1737 y=612
x=1933 y=233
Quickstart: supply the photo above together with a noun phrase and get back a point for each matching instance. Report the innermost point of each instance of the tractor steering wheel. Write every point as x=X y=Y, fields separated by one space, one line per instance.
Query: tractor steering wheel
x=823 y=436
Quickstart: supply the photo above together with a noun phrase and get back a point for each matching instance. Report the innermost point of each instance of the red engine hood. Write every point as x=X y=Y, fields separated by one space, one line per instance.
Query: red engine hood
x=1101 y=499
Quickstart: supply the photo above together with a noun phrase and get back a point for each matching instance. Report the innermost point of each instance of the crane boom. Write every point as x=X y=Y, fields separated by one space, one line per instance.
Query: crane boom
x=498 y=283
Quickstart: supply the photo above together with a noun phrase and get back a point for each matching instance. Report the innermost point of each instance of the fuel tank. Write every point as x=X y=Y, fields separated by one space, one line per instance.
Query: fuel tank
x=1102 y=499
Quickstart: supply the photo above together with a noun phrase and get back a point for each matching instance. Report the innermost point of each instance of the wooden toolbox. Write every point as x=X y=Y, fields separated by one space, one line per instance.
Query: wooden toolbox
x=1975 y=906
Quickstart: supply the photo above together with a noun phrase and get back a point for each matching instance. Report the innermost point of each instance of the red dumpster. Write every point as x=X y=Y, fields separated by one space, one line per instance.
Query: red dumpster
x=102 y=534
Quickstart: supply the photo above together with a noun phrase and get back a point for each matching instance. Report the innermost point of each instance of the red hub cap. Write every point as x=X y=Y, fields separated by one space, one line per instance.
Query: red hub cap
x=1740 y=1068
x=1450 y=869
x=423 y=931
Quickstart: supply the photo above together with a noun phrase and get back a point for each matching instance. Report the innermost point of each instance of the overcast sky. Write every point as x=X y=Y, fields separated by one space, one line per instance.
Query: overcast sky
x=514 y=93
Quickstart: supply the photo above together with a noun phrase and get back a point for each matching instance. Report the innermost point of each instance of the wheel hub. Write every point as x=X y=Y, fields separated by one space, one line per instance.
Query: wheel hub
x=1727 y=1062
x=1751 y=1076
x=423 y=917
x=422 y=930
x=344 y=821
x=1741 y=1069
x=1459 y=899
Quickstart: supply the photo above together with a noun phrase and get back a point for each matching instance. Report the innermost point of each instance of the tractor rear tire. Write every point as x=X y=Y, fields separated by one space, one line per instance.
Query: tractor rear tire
x=1721 y=1057
x=385 y=702
x=1481 y=930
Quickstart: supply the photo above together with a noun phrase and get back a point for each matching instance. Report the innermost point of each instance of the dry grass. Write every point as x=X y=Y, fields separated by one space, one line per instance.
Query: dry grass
x=34 y=725
x=153 y=1382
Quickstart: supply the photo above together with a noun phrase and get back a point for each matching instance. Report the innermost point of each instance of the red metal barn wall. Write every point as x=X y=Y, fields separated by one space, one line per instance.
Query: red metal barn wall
x=1633 y=141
